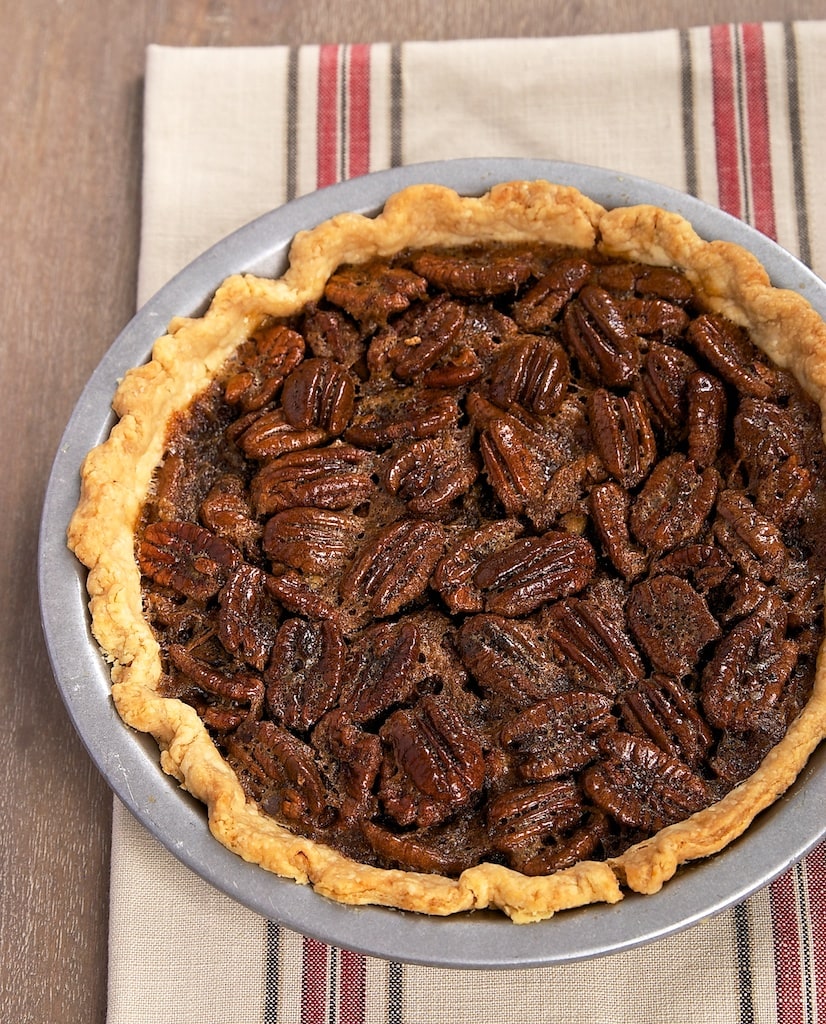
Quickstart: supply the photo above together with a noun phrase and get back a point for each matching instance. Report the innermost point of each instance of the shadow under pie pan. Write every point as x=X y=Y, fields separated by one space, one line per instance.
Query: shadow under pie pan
x=777 y=839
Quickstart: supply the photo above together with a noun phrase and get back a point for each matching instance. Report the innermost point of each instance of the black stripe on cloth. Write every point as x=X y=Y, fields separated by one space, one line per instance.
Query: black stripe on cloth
x=793 y=90
x=742 y=134
x=333 y=978
x=687 y=90
x=395 y=988
x=272 y=937
x=291 y=176
x=396 y=99
x=807 y=981
x=745 y=979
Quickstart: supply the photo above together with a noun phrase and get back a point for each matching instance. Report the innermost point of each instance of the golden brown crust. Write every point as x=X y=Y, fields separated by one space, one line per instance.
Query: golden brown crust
x=117 y=475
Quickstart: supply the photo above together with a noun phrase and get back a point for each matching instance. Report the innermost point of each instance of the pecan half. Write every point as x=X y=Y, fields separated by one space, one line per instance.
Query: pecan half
x=640 y=786
x=528 y=815
x=738 y=755
x=516 y=462
x=187 y=558
x=247 y=616
x=743 y=683
x=653 y=318
x=781 y=492
x=265 y=360
x=750 y=538
x=596 y=333
x=397 y=414
x=316 y=541
x=609 y=505
x=534 y=570
x=304 y=674
x=336 y=477
x=765 y=435
x=739 y=596
x=238 y=687
x=332 y=334
x=532 y=372
x=270 y=434
x=281 y=770
x=351 y=759
x=169 y=488
x=429 y=475
x=226 y=511
x=393 y=567
x=383 y=669
x=557 y=735
x=594 y=645
x=804 y=597
x=434 y=765
x=646 y=280
x=297 y=596
x=665 y=282
x=508 y=658
x=731 y=354
x=459 y=366
x=416 y=344
x=372 y=292
x=319 y=393
x=563 y=850
x=674 y=504
x=665 y=711
x=706 y=417
x=443 y=850
x=671 y=623
x=623 y=435
x=705 y=566
x=665 y=376
x=489 y=273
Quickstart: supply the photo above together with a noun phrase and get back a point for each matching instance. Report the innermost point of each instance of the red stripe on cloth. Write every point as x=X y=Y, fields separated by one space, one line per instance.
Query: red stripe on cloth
x=353 y=986
x=757 y=107
x=725 y=119
x=788 y=970
x=314 y=982
x=327 y=116
x=359 y=107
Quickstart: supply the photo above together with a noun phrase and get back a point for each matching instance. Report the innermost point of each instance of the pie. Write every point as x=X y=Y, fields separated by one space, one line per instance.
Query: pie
x=478 y=560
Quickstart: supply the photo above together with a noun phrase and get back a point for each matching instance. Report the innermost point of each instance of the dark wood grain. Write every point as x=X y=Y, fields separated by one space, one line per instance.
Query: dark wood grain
x=70 y=164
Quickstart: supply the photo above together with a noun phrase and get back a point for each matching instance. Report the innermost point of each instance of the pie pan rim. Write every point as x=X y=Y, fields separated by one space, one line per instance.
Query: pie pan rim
x=787 y=830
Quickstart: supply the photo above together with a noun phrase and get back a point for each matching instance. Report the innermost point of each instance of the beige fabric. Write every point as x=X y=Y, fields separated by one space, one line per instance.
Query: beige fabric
x=642 y=104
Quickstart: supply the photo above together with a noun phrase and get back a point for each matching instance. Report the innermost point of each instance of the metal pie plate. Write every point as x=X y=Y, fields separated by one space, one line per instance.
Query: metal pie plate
x=129 y=761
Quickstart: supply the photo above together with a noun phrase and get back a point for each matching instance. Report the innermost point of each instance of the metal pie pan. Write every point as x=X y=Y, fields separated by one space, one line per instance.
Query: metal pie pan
x=129 y=760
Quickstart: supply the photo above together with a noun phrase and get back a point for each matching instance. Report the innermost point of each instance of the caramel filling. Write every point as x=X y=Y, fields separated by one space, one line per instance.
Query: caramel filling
x=500 y=554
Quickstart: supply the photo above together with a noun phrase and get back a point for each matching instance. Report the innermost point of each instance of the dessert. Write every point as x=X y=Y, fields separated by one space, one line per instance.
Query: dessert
x=477 y=560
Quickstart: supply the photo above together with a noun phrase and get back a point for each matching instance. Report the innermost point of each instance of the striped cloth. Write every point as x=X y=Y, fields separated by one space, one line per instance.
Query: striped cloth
x=730 y=113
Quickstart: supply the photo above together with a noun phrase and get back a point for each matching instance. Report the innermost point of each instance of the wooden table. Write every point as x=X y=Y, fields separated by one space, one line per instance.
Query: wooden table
x=70 y=167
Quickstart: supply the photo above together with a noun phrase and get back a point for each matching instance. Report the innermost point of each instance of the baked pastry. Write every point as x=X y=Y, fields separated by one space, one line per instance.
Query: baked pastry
x=477 y=561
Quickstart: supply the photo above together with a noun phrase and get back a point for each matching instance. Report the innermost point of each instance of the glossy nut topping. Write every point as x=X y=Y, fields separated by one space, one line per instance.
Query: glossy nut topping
x=497 y=554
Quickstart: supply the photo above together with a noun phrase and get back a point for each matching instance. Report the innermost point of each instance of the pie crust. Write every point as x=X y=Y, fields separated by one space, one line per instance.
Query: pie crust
x=117 y=477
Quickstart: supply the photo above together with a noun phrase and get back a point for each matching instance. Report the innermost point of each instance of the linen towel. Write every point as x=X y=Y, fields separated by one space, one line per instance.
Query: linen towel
x=729 y=113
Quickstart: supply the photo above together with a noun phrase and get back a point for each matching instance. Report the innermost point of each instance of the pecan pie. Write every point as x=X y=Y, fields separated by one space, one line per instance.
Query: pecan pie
x=477 y=561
